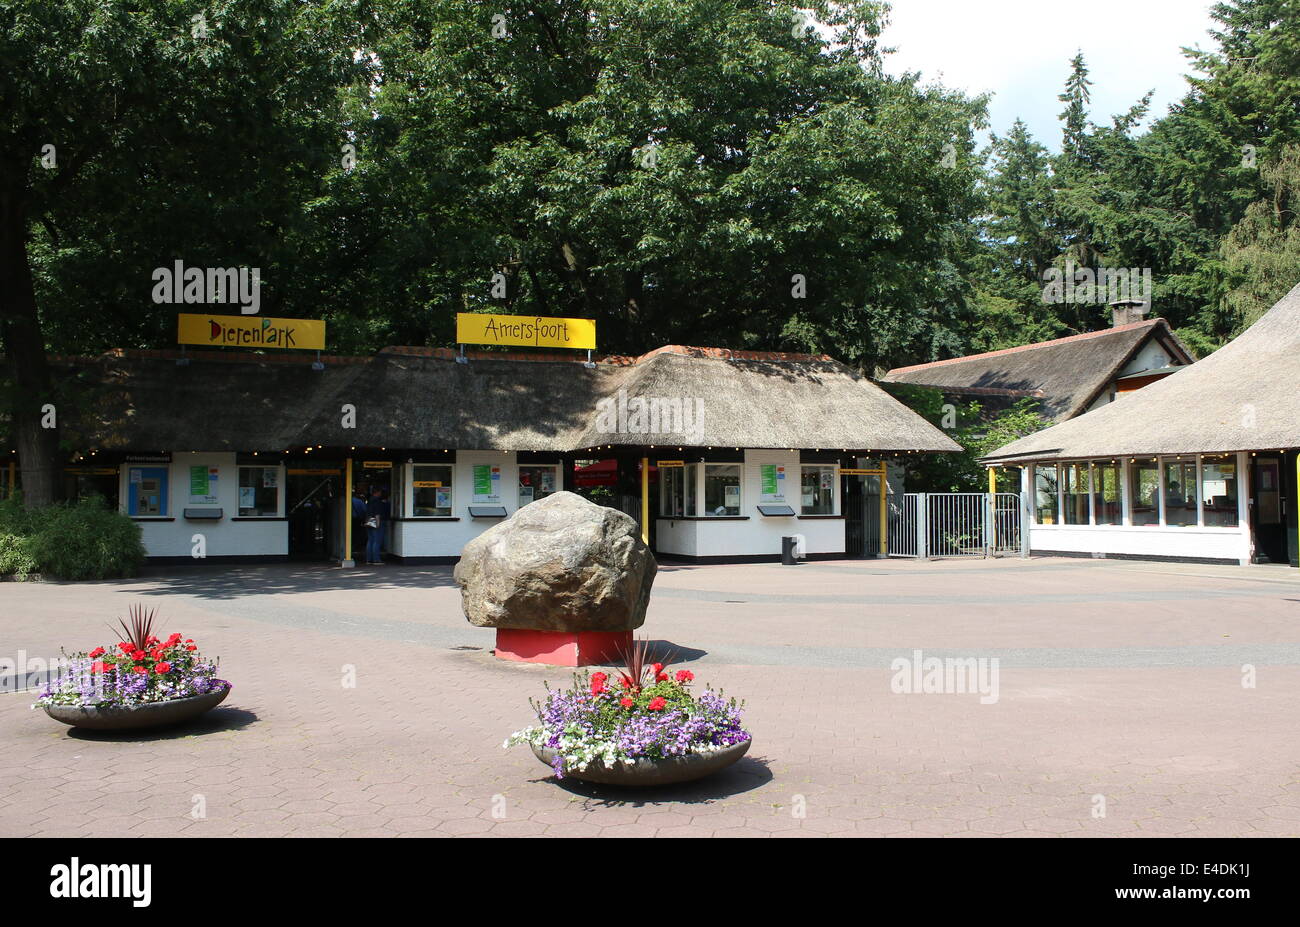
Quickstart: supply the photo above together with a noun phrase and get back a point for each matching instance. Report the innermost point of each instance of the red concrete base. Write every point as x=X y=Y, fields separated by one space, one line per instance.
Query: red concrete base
x=561 y=648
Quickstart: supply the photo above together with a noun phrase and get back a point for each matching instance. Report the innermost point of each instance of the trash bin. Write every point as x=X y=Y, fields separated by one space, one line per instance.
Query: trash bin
x=787 y=550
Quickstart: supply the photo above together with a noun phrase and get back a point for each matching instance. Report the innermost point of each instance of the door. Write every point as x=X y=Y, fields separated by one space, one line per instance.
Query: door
x=1268 y=509
x=313 y=495
x=853 y=505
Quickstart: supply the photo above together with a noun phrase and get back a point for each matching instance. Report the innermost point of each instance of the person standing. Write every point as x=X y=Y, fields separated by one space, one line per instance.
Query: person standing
x=376 y=522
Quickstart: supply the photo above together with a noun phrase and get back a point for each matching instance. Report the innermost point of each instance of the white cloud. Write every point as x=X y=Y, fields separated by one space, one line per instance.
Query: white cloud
x=1020 y=50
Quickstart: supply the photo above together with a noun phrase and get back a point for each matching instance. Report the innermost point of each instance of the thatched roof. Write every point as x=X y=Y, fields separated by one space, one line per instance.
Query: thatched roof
x=1068 y=373
x=410 y=398
x=1241 y=398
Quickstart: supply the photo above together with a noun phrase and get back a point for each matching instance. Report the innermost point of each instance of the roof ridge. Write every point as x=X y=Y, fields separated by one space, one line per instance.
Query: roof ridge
x=1082 y=336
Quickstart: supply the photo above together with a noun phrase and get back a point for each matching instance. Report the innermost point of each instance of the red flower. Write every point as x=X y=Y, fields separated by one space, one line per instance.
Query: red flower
x=685 y=675
x=657 y=667
x=163 y=667
x=190 y=647
x=138 y=655
x=625 y=702
x=657 y=704
x=189 y=640
x=174 y=639
x=598 y=683
x=126 y=647
x=141 y=669
x=97 y=652
x=99 y=666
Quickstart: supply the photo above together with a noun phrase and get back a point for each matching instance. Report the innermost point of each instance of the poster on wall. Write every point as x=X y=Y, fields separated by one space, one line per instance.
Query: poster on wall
x=772 y=479
x=442 y=497
x=247 y=497
x=487 y=483
x=203 y=485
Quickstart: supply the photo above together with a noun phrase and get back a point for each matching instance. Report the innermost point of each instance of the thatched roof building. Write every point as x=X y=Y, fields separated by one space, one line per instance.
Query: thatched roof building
x=1241 y=398
x=1069 y=375
x=423 y=398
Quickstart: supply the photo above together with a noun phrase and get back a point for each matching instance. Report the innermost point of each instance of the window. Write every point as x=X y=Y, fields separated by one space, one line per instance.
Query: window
x=817 y=490
x=1076 y=494
x=1219 y=490
x=431 y=490
x=259 y=492
x=1046 y=494
x=1107 y=495
x=146 y=492
x=1180 y=493
x=537 y=482
x=1144 y=490
x=678 y=491
x=722 y=489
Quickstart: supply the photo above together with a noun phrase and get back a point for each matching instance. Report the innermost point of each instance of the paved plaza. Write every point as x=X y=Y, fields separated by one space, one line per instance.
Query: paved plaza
x=1120 y=709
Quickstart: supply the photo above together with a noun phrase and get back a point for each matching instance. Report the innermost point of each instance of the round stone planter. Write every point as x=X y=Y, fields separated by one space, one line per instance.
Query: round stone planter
x=653 y=772
x=136 y=717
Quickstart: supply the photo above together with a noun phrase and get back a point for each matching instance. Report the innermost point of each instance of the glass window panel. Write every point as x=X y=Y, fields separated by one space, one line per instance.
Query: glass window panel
x=1180 y=493
x=1107 y=498
x=537 y=482
x=431 y=490
x=722 y=489
x=1219 y=490
x=672 y=499
x=817 y=490
x=1046 y=494
x=259 y=492
x=1076 y=494
x=692 y=477
x=1144 y=490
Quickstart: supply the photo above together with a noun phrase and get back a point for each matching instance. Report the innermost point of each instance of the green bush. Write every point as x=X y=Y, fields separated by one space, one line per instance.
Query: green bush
x=75 y=541
x=14 y=559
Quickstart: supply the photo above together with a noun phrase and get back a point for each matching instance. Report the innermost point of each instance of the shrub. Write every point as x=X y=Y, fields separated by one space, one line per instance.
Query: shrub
x=75 y=541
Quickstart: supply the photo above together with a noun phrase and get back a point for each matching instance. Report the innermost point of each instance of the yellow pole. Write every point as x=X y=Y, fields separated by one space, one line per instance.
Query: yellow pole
x=347 y=514
x=884 y=511
x=993 y=480
x=645 y=500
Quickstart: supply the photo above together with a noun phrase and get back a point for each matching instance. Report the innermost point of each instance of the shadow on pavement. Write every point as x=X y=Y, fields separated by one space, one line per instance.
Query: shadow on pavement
x=213 y=722
x=747 y=774
x=234 y=581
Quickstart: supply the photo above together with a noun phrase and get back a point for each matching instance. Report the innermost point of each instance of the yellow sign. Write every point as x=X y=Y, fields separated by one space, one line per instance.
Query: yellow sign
x=670 y=463
x=427 y=484
x=250 y=331
x=532 y=331
x=377 y=464
x=858 y=471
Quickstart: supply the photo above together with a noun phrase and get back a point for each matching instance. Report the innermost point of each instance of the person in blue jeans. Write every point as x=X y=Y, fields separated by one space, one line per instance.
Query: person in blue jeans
x=376 y=522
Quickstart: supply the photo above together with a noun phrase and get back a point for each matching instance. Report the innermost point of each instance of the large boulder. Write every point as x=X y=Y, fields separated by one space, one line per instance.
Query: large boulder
x=559 y=564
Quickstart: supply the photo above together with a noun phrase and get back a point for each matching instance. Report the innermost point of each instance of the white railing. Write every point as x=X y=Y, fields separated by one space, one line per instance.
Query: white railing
x=956 y=524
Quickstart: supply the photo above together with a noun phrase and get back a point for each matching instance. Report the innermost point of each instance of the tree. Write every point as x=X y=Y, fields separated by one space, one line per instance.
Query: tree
x=132 y=133
x=1261 y=254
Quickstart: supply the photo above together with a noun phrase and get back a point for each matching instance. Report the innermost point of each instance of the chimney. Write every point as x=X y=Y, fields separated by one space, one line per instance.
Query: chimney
x=1126 y=311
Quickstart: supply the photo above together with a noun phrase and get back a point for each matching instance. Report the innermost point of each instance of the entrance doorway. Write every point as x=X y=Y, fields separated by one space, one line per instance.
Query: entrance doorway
x=313 y=497
x=1268 y=510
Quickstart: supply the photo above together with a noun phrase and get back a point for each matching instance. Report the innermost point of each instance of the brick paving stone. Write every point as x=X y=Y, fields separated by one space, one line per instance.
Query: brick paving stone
x=1117 y=679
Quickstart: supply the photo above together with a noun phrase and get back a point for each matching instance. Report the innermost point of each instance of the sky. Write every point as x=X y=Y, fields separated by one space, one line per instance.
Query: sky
x=1020 y=51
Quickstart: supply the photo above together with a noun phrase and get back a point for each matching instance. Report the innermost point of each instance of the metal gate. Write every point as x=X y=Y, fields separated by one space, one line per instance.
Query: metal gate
x=955 y=524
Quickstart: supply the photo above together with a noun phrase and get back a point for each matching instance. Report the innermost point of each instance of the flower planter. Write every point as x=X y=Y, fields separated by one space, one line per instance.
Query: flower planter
x=137 y=717
x=646 y=772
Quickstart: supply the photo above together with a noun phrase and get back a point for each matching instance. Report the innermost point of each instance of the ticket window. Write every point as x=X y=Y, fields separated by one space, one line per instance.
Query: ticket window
x=537 y=482
x=147 y=492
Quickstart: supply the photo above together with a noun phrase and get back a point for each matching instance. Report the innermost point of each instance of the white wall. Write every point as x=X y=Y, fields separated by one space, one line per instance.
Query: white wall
x=1148 y=541
x=431 y=538
x=223 y=538
x=757 y=534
